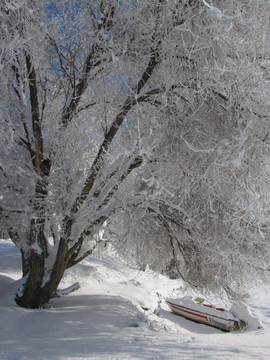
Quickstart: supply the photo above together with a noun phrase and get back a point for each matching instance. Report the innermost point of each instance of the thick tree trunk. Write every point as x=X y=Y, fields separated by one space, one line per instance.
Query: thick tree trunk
x=29 y=295
x=39 y=286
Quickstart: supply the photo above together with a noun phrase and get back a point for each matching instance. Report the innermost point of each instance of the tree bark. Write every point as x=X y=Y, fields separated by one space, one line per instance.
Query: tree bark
x=38 y=290
x=25 y=263
x=29 y=296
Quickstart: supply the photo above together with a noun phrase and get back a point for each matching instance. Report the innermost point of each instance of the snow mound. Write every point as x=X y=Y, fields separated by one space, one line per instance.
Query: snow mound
x=243 y=312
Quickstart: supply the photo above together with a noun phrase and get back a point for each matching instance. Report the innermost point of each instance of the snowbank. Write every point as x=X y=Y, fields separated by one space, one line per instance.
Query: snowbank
x=118 y=313
x=243 y=312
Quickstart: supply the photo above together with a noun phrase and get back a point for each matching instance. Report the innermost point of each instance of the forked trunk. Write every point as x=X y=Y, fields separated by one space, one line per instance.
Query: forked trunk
x=39 y=286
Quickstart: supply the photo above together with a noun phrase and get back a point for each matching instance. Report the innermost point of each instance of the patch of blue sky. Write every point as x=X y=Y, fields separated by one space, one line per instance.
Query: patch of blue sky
x=58 y=8
x=68 y=15
x=71 y=30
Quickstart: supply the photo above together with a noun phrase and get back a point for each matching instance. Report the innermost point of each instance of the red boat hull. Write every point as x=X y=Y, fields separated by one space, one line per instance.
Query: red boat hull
x=204 y=317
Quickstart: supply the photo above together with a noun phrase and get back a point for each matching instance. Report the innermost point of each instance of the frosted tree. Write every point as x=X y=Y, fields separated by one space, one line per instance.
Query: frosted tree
x=210 y=195
x=148 y=120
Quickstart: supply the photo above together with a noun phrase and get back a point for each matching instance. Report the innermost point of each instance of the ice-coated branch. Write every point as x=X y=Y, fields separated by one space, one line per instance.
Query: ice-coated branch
x=129 y=103
x=94 y=59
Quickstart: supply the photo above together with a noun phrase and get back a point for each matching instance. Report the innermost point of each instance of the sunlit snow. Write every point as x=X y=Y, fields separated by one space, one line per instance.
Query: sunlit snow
x=118 y=313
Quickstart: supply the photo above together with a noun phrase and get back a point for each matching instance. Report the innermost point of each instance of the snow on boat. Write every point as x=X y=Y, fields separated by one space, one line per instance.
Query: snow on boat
x=200 y=311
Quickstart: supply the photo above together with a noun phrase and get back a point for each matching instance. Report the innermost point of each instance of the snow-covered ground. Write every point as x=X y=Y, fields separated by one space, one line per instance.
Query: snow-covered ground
x=112 y=316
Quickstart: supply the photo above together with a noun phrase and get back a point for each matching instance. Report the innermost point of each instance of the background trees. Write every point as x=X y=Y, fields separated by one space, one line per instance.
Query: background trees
x=148 y=120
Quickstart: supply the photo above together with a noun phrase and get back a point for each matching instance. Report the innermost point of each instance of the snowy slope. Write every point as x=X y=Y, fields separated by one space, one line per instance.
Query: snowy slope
x=113 y=316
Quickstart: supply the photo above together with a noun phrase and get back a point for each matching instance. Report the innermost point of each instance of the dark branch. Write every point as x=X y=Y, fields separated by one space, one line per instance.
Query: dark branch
x=36 y=122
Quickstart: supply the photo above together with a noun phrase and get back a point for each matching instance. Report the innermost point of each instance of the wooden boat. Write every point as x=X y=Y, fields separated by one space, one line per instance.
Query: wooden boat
x=200 y=311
